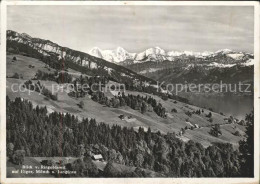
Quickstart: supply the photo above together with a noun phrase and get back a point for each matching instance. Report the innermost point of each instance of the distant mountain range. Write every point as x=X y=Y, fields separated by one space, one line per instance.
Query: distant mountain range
x=156 y=54
x=151 y=65
x=187 y=66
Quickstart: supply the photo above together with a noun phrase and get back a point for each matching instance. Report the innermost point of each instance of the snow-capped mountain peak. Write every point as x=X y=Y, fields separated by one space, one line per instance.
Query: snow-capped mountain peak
x=154 y=50
x=174 y=53
x=206 y=53
x=224 y=51
x=158 y=54
x=120 y=49
x=117 y=55
x=189 y=53
x=95 y=51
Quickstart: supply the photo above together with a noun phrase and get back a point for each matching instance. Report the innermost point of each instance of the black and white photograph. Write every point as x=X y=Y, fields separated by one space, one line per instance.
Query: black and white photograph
x=131 y=91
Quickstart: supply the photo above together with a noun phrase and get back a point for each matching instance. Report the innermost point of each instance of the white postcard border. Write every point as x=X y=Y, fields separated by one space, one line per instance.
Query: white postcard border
x=4 y=180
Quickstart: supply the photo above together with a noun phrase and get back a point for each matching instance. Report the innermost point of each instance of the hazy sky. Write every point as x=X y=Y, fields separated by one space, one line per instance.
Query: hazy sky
x=137 y=28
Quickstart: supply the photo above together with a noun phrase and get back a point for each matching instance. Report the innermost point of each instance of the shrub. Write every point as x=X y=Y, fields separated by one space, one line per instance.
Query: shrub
x=237 y=133
x=81 y=104
x=37 y=87
x=111 y=170
x=83 y=167
x=9 y=149
x=16 y=76
x=188 y=113
x=242 y=122
x=174 y=110
x=54 y=97
x=49 y=94
x=215 y=130
x=18 y=157
x=164 y=97
x=209 y=115
x=47 y=162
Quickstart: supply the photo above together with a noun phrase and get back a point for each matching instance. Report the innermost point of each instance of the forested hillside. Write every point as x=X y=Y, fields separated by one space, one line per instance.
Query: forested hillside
x=56 y=134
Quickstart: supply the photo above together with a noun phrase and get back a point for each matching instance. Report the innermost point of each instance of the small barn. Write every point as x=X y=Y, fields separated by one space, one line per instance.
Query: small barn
x=97 y=157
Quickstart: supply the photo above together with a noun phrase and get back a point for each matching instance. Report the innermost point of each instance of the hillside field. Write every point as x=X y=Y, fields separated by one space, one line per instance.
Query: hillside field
x=174 y=122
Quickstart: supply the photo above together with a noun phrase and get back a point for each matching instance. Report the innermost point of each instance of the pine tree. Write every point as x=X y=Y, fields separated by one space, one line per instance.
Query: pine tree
x=246 y=148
